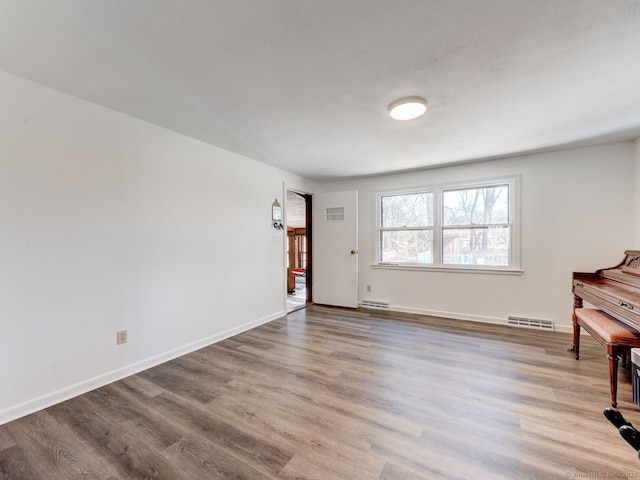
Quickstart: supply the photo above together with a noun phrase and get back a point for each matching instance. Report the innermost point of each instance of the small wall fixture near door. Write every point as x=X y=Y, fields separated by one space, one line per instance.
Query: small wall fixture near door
x=276 y=215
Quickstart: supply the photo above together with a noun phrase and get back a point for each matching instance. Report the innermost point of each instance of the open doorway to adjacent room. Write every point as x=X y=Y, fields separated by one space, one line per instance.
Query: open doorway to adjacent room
x=298 y=227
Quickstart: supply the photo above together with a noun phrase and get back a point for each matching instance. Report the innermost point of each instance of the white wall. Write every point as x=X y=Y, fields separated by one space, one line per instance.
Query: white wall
x=576 y=213
x=636 y=204
x=110 y=223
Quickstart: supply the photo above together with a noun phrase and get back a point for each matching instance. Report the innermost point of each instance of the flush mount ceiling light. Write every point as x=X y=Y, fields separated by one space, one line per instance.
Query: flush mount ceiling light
x=408 y=108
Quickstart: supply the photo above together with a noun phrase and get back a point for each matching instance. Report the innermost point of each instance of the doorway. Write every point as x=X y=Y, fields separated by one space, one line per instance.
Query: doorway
x=298 y=229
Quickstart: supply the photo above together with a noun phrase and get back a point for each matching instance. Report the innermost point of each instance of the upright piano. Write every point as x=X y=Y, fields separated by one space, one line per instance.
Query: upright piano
x=614 y=320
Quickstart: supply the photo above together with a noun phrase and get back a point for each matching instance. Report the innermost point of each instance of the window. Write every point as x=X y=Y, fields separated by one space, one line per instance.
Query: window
x=406 y=233
x=454 y=226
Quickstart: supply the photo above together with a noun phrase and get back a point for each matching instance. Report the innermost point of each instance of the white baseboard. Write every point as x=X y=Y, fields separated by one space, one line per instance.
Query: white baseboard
x=31 y=406
x=465 y=316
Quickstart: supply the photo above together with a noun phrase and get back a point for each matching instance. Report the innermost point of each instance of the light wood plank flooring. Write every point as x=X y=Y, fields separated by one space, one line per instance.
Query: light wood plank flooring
x=328 y=394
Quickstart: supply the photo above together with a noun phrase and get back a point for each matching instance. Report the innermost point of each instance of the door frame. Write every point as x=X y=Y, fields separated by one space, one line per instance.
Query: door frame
x=308 y=198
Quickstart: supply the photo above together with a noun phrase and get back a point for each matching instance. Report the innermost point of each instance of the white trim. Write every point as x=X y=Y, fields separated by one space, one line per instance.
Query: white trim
x=285 y=239
x=452 y=315
x=448 y=268
x=31 y=406
x=514 y=182
x=465 y=316
x=284 y=246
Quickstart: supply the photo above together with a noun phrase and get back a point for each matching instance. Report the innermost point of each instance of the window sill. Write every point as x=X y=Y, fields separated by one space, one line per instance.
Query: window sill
x=449 y=269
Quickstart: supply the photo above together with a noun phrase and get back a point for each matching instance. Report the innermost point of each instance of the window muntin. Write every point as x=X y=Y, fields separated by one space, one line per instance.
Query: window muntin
x=457 y=226
x=406 y=228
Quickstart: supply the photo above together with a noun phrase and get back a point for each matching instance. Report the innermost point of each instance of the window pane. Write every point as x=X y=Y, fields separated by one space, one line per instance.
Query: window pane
x=476 y=246
x=410 y=210
x=406 y=246
x=479 y=206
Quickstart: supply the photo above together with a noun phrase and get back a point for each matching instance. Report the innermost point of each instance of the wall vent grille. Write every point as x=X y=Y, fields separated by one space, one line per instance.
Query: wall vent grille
x=546 y=325
x=375 y=304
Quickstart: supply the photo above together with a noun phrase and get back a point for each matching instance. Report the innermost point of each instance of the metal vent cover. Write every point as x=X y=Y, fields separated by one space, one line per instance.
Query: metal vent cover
x=533 y=323
x=375 y=304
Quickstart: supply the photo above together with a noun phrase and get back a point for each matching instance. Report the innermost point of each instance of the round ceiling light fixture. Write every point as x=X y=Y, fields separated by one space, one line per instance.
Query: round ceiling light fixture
x=408 y=108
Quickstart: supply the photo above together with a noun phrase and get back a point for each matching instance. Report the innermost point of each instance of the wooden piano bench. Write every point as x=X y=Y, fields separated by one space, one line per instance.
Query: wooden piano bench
x=616 y=337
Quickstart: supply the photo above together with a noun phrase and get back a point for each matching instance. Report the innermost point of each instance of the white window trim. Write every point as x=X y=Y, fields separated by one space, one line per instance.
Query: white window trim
x=514 y=210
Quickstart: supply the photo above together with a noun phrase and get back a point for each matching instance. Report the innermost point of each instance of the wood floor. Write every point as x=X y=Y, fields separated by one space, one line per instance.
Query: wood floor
x=338 y=394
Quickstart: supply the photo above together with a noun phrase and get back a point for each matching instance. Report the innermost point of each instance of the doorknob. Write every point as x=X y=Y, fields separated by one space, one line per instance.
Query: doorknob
x=353 y=252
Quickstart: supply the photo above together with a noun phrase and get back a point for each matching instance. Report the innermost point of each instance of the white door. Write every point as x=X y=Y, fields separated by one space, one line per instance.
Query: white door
x=335 y=249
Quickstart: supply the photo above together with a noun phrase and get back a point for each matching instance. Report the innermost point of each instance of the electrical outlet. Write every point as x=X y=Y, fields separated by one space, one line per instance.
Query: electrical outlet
x=368 y=288
x=121 y=337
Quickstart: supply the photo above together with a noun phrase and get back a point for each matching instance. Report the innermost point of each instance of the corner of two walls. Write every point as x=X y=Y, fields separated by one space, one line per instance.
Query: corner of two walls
x=637 y=196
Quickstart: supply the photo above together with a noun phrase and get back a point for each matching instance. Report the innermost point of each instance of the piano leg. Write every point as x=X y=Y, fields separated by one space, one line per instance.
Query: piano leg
x=613 y=374
x=577 y=303
x=625 y=358
x=576 y=339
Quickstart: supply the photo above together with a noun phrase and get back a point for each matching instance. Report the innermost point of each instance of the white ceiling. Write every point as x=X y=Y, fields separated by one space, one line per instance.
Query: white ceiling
x=304 y=85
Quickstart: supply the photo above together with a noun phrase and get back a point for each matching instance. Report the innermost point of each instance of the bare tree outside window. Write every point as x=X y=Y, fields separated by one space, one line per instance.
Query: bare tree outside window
x=463 y=225
x=406 y=234
x=476 y=228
